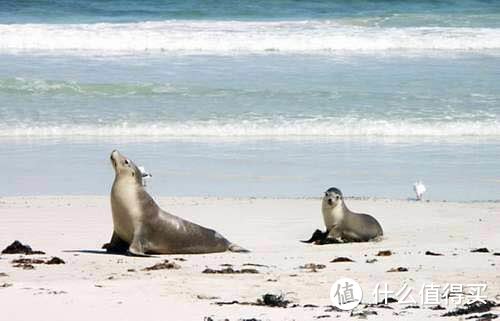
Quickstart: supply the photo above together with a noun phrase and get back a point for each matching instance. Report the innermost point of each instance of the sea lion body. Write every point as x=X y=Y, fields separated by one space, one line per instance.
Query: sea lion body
x=345 y=226
x=140 y=226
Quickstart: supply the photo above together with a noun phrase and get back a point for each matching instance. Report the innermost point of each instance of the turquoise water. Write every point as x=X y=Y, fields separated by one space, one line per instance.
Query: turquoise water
x=276 y=96
x=365 y=12
x=261 y=98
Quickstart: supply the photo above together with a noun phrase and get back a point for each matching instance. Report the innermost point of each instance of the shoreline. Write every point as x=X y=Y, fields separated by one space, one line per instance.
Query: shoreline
x=240 y=198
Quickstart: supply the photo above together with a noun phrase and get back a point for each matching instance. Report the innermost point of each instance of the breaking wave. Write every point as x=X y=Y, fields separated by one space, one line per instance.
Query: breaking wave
x=233 y=37
x=264 y=129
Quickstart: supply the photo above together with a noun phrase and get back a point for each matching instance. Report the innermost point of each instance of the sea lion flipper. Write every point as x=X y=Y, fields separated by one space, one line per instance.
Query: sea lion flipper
x=130 y=253
x=316 y=236
x=136 y=248
x=237 y=249
x=329 y=240
x=116 y=245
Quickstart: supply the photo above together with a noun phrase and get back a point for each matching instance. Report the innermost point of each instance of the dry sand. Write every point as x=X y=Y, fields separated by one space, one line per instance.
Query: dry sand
x=93 y=285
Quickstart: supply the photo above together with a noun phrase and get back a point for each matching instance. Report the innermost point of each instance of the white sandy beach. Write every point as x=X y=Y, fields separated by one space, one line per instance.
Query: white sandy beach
x=93 y=285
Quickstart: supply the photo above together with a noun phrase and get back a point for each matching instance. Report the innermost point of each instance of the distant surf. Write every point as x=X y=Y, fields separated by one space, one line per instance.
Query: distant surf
x=233 y=37
x=266 y=129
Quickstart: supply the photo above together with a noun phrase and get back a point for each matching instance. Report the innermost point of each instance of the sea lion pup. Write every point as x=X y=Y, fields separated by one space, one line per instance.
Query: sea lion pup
x=342 y=225
x=140 y=226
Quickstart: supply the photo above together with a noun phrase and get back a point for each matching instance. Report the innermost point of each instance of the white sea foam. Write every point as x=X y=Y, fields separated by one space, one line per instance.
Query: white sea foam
x=249 y=129
x=232 y=37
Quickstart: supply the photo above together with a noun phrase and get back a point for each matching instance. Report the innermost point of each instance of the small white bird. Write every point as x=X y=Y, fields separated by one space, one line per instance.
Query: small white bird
x=144 y=174
x=419 y=189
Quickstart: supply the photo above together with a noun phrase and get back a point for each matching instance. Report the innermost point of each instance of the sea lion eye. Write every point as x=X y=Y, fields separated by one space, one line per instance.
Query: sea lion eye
x=326 y=193
x=337 y=197
x=126 y=162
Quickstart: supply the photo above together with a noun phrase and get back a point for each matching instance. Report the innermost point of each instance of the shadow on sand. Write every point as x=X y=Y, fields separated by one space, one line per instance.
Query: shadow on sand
x=125 y=253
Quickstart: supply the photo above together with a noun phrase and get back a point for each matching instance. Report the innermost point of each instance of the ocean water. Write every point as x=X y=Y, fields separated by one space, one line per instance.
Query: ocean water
x=252 y=98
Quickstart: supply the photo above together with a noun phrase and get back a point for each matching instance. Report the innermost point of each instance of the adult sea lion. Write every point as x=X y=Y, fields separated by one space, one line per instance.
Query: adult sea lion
x=141 y=227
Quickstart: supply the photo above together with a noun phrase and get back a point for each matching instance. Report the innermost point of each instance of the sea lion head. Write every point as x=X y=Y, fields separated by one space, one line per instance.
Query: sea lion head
x=333 y=197
x=124 y=167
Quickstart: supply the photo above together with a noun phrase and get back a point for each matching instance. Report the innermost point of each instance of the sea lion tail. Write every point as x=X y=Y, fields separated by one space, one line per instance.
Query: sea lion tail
x=237 y=249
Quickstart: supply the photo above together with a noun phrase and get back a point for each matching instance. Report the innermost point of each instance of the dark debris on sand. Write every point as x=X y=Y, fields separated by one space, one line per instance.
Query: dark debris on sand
x=389 y=300
x=181 y=259
x=5 y=285
x=341 y=259
x=25 y=266
x=269 y=300
x=55 y=260
x=384 y=253
x=483 y=317
x=165 y=265
x=233 y=302
x=383 y=304
x=206 y=297
x=363 y=314
x=312 y=267
x=398 y=269
x=27 y=261
x=379 y=306
x=474 y=307
x=437 y=307
x=496 y=253
x=22 y=262
x=18 y=248
x=3 y=274
x=371 y=261
x=255 y=264
x=272 y=300
x=480 y=250
x=230 y=270
x=433 y=253
x=332 y=308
